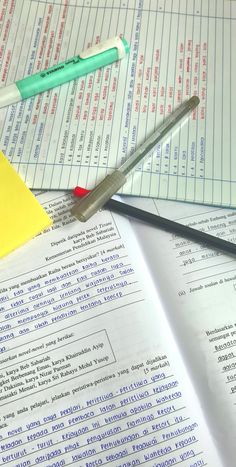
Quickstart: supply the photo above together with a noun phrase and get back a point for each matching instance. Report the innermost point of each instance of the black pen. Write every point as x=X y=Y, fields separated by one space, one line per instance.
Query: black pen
x=164 y=224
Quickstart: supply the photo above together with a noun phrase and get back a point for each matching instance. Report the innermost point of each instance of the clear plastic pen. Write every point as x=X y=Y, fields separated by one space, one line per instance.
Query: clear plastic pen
x=96 y=199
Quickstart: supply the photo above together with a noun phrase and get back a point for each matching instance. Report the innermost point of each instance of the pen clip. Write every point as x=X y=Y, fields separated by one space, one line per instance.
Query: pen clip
x=114 y=42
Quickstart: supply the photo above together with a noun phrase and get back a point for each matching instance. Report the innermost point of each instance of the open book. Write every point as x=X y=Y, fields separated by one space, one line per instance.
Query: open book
x=92 y=369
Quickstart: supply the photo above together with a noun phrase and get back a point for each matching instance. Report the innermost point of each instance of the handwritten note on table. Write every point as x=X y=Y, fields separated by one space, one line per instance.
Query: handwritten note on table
x=77 y=133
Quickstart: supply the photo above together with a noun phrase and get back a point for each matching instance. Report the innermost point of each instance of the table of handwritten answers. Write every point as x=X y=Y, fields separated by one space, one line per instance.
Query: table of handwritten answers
x=77 y=133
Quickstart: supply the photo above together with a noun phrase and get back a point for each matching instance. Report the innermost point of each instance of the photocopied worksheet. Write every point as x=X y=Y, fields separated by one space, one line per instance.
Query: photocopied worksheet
x=79 y=132
x=90 y=373
x=198 y=287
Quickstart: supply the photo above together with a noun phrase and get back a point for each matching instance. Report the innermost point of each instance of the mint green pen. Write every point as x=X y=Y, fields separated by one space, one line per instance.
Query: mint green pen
x=95 y=57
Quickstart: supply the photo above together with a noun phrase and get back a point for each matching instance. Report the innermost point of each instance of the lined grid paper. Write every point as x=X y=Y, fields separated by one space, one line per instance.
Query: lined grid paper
x=79 y=132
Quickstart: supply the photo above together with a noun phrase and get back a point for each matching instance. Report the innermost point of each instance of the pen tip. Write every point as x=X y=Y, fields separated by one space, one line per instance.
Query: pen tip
x=194 y=101
x=76 y=213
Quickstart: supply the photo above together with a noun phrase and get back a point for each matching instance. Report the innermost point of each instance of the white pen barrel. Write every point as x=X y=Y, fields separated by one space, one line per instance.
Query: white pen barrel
x=96 y=199
x=9 y=95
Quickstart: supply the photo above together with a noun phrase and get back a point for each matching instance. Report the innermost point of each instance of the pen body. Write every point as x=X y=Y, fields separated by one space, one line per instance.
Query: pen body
x=64 y=72
x=114 y=181
x=101 y=55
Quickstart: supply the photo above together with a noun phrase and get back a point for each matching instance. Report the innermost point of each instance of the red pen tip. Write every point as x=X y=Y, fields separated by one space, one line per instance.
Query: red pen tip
x=80 y=192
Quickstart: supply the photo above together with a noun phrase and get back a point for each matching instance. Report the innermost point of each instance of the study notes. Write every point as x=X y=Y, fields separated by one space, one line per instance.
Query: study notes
x=90 y=372
x=198 y=287
x=79 y=132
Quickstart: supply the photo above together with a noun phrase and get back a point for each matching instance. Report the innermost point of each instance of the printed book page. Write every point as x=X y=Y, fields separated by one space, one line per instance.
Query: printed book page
x=198 y=286
x=90 y=373
x=79 y=132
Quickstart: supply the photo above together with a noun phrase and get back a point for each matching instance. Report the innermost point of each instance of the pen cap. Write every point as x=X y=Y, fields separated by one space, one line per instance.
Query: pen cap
x=96 y=199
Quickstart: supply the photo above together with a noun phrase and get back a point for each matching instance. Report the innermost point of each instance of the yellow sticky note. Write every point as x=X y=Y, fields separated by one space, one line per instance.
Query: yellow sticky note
x=22 y=216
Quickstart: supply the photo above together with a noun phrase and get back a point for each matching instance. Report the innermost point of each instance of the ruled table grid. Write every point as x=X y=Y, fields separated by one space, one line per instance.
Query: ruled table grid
x=79 y=132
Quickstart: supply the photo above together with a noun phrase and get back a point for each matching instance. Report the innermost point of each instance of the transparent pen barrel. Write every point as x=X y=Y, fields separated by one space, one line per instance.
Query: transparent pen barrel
x=153 y=140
